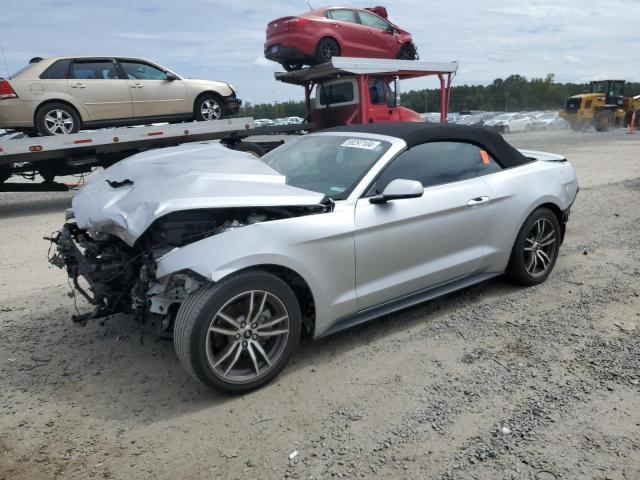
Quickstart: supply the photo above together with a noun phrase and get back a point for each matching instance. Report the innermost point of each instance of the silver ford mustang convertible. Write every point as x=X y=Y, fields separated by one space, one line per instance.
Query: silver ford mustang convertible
x=236 y=257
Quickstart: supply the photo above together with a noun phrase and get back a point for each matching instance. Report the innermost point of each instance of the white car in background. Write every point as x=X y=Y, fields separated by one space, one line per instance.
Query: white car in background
x=549 y=120
x=510 y=122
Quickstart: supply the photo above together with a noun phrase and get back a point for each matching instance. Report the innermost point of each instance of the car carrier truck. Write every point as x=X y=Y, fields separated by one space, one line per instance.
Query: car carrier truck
x=340 y=92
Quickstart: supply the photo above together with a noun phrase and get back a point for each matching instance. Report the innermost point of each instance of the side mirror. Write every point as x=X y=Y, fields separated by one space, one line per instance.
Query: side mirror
x=390 y=30
x=171 y=77
x=398 y=189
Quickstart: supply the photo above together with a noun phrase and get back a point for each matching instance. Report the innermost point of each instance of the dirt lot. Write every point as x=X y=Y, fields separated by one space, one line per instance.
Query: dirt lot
x=494 y=382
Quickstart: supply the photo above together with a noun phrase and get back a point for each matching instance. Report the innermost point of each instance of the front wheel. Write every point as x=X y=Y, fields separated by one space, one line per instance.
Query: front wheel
x=408 y=52
x=535 y=250
x=57 y=119
x=207 y=107
x=238 y=334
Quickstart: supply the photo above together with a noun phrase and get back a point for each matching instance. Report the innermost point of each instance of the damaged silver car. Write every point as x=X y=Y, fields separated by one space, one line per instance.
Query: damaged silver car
x=236 y=257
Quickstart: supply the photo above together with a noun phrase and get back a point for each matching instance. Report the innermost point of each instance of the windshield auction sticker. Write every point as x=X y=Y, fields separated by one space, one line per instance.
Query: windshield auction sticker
x=360 y=143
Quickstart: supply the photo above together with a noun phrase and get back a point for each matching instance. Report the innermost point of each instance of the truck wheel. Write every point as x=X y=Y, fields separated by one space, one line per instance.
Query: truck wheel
x=239 y=333
x=408 y=52
x=326 y=49
x=57 y=119
x=603 y=121
x=249 y=147
x=5 y=174
x=207 y=107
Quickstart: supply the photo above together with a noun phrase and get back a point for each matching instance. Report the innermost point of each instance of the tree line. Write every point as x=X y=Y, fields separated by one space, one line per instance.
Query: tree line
x=514 y=93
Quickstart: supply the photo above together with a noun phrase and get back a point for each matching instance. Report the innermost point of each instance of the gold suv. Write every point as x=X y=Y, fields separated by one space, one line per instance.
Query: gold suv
x=61 y=95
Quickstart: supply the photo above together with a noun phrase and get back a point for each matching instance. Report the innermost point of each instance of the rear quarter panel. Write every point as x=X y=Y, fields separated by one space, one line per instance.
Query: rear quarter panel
x=516 y=193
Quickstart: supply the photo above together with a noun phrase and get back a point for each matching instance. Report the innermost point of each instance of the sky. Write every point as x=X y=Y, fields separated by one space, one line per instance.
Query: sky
x=577 y=40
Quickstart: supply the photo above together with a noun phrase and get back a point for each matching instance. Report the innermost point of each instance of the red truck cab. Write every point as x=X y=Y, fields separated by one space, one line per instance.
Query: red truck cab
x=349 y=91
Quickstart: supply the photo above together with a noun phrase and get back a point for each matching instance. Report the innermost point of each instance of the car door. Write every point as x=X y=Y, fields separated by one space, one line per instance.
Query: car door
x=353 y=37
x=96 y=84
x=380 y=36
x=408 y=245
x=153 y=93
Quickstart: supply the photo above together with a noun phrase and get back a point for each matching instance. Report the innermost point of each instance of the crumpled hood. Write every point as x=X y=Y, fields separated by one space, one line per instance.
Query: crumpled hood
x=190 y=176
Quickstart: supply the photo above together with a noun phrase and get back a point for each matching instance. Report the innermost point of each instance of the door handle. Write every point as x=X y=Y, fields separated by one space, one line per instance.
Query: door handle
x=137 y=85
x=78 y=85
x=477 y=201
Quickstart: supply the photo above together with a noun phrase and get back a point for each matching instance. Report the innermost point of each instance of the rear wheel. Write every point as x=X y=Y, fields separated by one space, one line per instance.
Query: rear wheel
x=536 y=248
x=207 y=107
x=327 y=49
x=238 y=334
x=408 y=52
x=603 y=120
x=291 y=66
x=57 y=119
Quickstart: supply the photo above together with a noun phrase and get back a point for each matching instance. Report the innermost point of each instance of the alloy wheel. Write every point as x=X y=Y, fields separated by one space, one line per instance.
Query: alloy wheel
x=59 y=122
x=539 y=249
x=329 y=50
x=247 y=336
x=210 y=110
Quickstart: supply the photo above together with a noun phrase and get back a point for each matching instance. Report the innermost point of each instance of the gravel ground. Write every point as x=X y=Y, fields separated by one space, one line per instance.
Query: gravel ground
x=493 y=382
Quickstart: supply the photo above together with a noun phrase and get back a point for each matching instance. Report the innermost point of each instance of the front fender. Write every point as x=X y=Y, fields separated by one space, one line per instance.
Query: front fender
x=317 y=247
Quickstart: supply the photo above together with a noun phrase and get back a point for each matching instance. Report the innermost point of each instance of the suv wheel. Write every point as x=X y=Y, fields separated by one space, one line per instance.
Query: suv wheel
x=536 y=248
x=208 y=107
x=238 y=334
x=57 y=119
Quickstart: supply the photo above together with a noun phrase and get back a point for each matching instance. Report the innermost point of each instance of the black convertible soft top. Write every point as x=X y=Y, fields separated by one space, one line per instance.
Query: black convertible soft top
x=415 y=133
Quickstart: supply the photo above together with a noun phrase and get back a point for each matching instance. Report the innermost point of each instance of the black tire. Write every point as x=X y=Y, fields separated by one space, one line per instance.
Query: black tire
x=604 y=120
x=326 y=49
x=249 y=147
x=5 y=174
x=198 y=313
x=521 y=260
x=57 y=111
x=211 y=103
x=291 y=66
x=408 y=52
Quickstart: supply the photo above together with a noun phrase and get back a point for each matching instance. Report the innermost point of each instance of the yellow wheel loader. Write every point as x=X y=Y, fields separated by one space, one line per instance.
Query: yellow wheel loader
x=604 y=107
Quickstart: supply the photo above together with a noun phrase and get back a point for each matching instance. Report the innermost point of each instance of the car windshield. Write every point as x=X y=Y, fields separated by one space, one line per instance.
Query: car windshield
x=547 y=116
x=331 y=165
x=504 y=116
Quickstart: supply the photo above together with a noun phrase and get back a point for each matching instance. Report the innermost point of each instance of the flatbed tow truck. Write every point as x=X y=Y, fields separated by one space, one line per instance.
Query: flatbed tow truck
x=347 y=91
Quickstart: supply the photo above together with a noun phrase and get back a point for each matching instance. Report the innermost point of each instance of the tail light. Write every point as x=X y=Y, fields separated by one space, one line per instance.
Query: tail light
x=296 y=22
x=6 y=90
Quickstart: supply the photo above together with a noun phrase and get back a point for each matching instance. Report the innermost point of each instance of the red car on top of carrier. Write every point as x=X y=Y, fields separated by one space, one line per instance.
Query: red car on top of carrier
x=316 y=36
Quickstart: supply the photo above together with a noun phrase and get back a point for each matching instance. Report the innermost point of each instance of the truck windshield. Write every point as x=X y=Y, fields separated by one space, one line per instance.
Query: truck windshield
x=331 y=165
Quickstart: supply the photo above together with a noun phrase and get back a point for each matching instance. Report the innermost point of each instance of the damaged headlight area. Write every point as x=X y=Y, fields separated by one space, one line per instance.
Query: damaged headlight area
x=118 y=278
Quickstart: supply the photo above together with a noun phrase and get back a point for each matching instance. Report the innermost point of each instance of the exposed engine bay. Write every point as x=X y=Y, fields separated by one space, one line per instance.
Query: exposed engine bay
x=118 y=278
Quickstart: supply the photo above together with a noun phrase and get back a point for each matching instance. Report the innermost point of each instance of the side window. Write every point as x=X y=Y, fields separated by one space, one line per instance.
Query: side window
x=336 y=93
x=436 y=163
x=57 y=70
x=377 y=92
x=94 y=70
x=141 y=71
x=342 y=15
x=371 y=20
